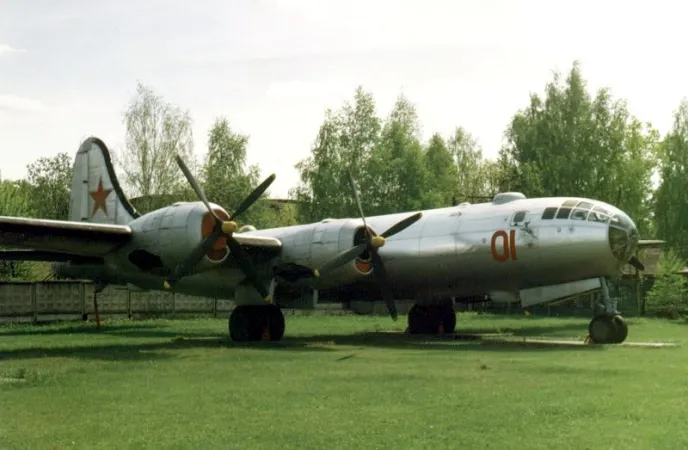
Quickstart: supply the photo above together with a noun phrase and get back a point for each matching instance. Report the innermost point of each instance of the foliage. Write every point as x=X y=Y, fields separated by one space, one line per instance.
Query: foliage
x=668 y=293
x=394 y=171
x=227 y=179
x=15 y=200
x=572 y=144
x=50 y=184
x=155 y=131
x=672 y=195
x=345 y=140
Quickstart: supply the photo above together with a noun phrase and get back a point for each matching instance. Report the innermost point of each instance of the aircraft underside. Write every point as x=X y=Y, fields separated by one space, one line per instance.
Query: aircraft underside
x=432 y=313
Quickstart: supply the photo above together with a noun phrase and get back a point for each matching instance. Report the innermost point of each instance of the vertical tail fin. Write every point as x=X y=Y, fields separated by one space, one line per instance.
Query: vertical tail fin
x=96 y=194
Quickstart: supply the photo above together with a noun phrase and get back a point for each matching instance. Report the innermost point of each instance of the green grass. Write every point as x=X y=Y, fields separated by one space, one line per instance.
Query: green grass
x=336 y=383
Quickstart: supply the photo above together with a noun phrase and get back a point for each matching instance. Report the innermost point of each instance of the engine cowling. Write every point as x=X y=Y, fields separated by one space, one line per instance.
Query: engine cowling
x=164 y=238
x=310 y=246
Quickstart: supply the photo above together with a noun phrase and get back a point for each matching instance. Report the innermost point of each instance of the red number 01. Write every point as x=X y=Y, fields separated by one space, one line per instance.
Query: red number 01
x=507 y=248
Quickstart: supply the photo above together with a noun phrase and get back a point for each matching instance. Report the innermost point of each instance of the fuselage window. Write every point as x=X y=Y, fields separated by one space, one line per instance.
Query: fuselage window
x=549 y=213
x=519 y=216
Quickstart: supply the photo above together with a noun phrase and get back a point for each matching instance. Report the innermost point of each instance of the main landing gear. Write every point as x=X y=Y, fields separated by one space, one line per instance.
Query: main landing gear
x=437 y=318
x=256 y=323
x=607 y=327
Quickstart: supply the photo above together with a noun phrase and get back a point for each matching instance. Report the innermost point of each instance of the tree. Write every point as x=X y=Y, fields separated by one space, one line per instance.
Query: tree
x=572 y=144
x=442 y=171
x=227 y=179
x=671 y=207
x=50 y=180
x=397 y=173
x=15 y=200
x=155 y=131
x=345 y=140
x=474 y=180
x=668 y=293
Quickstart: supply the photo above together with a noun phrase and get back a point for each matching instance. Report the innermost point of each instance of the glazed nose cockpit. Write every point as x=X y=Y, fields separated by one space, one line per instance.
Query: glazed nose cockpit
x=623 y=236
x=622 y=233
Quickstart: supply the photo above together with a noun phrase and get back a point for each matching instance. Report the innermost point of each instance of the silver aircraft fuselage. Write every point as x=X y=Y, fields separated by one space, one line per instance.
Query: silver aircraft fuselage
x=509 y=244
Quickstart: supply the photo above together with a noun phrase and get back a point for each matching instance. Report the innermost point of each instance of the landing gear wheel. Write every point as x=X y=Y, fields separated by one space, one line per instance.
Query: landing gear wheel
x=448 y=320
x=243 y=326
x=274 y=322
x=431 y=319
x=256 y=322
x=608 y=329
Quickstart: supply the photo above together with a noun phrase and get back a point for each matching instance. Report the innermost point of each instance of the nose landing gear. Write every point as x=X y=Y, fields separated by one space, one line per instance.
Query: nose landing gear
x=607 y=327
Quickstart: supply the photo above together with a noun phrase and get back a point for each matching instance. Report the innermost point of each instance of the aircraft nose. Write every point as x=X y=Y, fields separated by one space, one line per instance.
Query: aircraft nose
x=623 y=236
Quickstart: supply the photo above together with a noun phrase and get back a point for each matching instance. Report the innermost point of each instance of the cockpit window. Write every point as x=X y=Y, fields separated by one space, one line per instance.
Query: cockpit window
x=581 y=211
x=563 y=213
x=519 y=216
x=549 y=213
x=599 y=214
x=621 y=221
x=569 y=203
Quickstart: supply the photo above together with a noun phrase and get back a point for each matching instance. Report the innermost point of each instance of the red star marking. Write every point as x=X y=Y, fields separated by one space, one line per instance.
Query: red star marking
x=99 y=196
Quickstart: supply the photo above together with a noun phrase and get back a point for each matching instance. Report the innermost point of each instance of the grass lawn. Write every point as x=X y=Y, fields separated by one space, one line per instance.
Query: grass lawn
x=334 y=383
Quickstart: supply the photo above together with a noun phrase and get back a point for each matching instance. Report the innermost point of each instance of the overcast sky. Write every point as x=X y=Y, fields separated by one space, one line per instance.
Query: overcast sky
x=69 y=67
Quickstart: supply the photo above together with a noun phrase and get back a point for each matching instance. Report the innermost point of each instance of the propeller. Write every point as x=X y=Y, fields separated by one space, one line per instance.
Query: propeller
x=222 y=228
x=371 y=244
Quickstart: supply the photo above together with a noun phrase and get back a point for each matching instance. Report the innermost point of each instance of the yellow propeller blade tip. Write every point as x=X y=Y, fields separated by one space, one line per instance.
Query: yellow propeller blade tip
x=268 y=299
x=166 y=285
x=316 y=272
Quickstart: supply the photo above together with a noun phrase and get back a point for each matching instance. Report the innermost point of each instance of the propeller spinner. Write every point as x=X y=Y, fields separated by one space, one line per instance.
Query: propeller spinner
x=222 y=228
x=372 y=244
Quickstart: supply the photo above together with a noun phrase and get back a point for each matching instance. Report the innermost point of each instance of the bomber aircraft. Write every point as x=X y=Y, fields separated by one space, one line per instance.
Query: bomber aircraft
x=512 y=249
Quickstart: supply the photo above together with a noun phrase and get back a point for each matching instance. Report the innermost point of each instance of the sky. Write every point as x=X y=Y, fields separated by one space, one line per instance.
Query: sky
x=69 y=68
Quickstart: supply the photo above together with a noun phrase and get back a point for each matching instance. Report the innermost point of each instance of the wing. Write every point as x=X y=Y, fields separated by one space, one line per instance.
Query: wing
x=57 y=240
x=63 y=237
x=260 y=242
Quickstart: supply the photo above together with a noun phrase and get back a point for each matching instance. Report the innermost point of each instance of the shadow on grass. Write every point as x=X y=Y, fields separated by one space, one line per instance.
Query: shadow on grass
x=516 y=325
x=137 y=330
x=315 y=343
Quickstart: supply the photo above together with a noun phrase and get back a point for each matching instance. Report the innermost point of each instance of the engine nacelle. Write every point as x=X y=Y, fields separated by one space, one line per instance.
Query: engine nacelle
x=164 y=238
x=313 y=245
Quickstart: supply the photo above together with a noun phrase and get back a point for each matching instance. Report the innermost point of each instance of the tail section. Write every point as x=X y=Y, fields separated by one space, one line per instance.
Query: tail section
x=96 y=195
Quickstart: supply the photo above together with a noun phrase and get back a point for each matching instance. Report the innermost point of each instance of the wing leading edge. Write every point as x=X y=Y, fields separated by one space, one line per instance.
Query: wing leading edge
x=57 y=240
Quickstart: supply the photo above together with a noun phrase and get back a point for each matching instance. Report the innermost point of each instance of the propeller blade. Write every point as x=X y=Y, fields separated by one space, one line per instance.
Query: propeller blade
x=402 y=225
x=635 y=262
x=196 y=187
x=194 y=257
x=358 y=200
x=341 y=259
x=246 y=266
x=383 y=281
x=253 y=196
